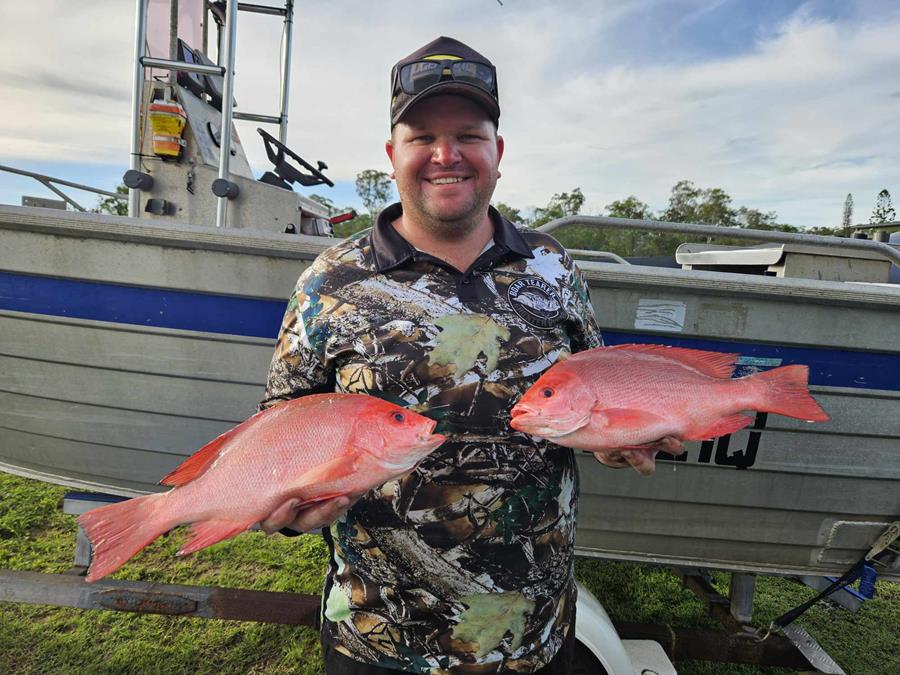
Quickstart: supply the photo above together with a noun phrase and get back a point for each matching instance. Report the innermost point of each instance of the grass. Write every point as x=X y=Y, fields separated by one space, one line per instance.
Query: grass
x=36 y=536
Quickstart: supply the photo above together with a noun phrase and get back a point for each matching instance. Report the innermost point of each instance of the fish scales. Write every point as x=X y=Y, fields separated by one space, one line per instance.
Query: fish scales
x=644 y=398
x=309 y=449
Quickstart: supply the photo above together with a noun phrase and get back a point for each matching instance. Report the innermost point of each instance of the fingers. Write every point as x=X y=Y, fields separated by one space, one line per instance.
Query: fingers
x=321 y=515
x=612 y=458
x=305 y=519
x=642 y=461
x=670 y=444
x=283 y=516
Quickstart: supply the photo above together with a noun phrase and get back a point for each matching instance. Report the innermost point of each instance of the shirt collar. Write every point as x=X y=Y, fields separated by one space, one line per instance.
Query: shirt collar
x=390 y=250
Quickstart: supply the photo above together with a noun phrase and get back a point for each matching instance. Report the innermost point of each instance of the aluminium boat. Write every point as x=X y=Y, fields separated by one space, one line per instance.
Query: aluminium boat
x=129 y=342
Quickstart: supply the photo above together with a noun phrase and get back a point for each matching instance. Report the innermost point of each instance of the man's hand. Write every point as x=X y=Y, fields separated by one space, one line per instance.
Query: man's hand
x=305 y=519
x=642 y=459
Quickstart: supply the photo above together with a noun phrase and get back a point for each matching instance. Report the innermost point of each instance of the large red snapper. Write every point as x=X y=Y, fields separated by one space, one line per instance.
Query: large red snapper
x=631 y=396
x=312 y=448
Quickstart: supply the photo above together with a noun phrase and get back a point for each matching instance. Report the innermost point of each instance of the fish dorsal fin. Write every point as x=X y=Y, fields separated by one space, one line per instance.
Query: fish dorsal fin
x=197 y=464
x=714 y=364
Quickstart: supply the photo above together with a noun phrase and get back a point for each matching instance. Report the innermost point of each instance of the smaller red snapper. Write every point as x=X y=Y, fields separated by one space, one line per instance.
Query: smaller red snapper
x=312 y=448
x=642 y=398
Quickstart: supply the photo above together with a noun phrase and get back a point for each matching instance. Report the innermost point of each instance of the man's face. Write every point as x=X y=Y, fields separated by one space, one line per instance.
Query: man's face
x=445 y=153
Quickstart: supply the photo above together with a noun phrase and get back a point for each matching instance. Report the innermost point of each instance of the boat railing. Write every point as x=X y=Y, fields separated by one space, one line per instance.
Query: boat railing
x=48 y=182
x=601 y=222
x=222 y=187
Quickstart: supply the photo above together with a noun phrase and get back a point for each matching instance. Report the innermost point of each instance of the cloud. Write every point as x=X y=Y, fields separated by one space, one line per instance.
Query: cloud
x=779 y=123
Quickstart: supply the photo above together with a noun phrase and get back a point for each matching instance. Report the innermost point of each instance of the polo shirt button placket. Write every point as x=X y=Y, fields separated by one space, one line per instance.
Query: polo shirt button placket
x=466 y=291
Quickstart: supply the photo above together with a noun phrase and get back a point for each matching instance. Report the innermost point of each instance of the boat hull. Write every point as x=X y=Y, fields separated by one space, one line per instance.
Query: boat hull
x=127 y=345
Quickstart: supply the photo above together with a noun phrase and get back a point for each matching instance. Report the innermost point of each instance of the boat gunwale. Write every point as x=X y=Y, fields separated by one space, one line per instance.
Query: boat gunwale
x=304 y=247
x=143 y=231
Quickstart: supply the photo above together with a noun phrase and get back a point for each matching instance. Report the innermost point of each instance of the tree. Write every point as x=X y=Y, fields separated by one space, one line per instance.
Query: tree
x=629 y=242
x=116 y=207
x=374 y=188
x=561 y=204
x=630 y=207
x=847 y=220
x=683 y=202
x=361 y=222
x=754 y=219
x=883 y=211
x=508 y=212
x=690 y=204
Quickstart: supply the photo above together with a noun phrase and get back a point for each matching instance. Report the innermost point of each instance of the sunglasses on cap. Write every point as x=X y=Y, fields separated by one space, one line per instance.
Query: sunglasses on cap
x=415 y=77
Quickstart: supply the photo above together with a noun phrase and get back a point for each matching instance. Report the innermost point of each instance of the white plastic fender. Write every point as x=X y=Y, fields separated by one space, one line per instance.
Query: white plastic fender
x=595 y=630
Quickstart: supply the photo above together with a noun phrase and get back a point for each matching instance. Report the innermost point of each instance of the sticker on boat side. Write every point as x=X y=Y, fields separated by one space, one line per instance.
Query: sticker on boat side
x=758 y=361
x=667 y=315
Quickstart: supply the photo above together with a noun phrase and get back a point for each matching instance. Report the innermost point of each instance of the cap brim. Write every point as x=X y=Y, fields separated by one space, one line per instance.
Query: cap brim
x=451 y=88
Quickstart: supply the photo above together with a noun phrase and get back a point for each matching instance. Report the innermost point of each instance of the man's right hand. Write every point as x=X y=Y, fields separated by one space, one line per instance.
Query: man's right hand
x=306 y=519
x=642 y=459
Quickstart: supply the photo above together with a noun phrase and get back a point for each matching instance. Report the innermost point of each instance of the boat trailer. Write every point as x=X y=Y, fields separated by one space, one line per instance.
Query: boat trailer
x=741 y=642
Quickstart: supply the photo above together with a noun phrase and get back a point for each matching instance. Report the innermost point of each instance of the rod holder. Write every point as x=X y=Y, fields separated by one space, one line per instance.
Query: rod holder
x=138 y=180
x=222 y=187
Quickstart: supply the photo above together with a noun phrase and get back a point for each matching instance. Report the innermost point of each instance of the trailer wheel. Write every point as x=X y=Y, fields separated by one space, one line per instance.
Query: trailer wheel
x=584 y=662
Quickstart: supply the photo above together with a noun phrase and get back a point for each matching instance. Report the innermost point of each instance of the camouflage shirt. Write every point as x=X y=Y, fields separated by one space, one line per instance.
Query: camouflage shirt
x=464 y=565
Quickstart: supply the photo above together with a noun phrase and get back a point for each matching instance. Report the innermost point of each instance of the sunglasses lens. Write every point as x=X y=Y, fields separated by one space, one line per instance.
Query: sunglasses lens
x=416 y=77
x=477 y=74
x=419 y=76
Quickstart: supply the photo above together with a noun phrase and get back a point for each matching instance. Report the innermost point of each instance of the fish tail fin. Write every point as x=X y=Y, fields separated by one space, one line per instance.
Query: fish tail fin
x=785 y=391
x=208 y=532
x=118 y=531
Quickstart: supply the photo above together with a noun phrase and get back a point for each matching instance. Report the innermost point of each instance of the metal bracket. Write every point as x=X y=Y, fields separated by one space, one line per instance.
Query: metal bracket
x=811 y=650
x=884 y=542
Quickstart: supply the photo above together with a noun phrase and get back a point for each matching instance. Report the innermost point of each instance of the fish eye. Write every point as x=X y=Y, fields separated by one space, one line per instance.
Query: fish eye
x=546 y=392
x=399 y=417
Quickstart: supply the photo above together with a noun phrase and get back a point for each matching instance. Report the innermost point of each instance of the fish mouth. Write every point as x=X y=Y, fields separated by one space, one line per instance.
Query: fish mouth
x=531 y=422
x=431 y=441
x=427 y=443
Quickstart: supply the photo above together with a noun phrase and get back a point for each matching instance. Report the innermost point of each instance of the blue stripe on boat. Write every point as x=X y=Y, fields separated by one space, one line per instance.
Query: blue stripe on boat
x=827 y=367
x=253 y=317
x=162 y=308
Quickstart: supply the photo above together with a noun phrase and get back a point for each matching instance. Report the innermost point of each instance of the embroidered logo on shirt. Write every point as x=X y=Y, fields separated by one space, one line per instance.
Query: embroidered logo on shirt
x=536 y=302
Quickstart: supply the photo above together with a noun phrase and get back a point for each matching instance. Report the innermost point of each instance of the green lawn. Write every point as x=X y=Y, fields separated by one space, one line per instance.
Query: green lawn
x=36 y=536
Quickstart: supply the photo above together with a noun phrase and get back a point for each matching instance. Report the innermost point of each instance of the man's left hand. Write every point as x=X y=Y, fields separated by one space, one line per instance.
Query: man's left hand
x=306 y=519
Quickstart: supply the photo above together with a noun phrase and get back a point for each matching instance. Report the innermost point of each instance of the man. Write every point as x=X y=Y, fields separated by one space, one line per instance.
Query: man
x=464 y=565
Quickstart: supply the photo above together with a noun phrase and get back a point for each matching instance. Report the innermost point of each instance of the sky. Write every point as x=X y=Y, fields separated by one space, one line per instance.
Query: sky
x=788 y=106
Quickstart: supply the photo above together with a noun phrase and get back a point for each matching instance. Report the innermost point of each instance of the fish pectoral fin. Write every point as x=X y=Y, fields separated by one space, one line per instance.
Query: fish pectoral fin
x=629 y=417
x=209 y=532
x=339 y=467
x=722 y=427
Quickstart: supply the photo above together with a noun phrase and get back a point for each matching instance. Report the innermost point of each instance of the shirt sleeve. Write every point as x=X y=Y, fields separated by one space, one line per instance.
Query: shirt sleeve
x=299 y=365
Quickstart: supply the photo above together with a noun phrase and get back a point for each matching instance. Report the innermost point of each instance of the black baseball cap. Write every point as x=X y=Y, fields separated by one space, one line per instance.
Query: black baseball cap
x=443 y=67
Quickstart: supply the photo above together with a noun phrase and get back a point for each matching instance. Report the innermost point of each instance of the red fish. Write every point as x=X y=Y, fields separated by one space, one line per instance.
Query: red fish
x=312 y=448
x=648 y=397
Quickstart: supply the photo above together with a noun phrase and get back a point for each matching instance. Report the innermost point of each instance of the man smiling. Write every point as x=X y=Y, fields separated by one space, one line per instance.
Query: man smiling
x=445 y=153
x=465 y=565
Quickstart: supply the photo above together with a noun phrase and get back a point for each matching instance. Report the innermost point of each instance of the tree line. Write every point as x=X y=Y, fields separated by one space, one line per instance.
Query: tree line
x=687 y=203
